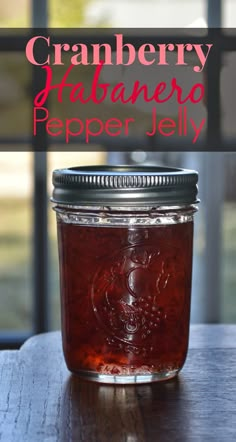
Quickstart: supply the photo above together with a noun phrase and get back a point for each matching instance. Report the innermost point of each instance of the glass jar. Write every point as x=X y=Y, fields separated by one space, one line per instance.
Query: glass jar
x=125 y=238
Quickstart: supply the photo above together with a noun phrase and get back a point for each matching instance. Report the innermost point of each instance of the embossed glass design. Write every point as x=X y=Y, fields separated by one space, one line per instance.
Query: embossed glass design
x=125 y=293
x=125 y=271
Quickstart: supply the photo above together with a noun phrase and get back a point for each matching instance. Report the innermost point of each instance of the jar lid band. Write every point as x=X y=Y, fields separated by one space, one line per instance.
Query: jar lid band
x=125 y=185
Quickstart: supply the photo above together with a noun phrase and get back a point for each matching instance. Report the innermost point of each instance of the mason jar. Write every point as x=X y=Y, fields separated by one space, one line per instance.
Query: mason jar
x=125 y=237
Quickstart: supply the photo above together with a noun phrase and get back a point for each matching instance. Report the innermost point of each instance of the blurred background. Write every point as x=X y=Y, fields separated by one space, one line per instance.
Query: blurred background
x=29 y=282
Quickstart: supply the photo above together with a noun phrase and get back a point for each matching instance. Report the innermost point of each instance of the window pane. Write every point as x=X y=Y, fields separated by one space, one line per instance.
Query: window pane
x=15 y=89
x=212 y=209
x=70 y=13
x=229 y=241
x=149 y=13
x=122 y=13
x=15 y=241
x=229 y=13
x=228 y=95
x=57 y=160
x=14 y=13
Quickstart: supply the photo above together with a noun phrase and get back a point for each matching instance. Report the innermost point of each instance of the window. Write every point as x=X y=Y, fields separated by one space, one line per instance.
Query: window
x=28 y=266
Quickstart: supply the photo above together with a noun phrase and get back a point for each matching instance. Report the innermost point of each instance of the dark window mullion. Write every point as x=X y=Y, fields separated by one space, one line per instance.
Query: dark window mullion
x=40 y=230
x=214 y=13
x=213 y=175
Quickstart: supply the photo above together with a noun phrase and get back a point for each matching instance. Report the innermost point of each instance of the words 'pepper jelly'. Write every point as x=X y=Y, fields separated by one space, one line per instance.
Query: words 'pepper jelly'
x=125 y=239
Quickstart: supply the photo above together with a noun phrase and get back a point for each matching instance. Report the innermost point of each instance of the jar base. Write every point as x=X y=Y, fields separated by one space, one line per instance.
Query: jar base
x=126 y=379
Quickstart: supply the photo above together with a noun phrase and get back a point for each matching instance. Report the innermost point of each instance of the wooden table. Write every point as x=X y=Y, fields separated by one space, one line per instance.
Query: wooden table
x=41 y=401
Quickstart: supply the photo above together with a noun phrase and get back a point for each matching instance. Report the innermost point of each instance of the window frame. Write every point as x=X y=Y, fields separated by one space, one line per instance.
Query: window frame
x=40 y=249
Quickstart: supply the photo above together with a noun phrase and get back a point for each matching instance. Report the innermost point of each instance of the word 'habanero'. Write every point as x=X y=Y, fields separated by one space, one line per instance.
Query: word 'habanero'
x=100 y=92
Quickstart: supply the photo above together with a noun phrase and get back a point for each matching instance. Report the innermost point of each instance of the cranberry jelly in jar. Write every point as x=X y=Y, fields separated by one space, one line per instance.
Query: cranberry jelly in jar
x=125 y=239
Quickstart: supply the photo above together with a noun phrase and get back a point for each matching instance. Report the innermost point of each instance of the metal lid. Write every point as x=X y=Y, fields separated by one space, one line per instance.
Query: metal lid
x=124 y=185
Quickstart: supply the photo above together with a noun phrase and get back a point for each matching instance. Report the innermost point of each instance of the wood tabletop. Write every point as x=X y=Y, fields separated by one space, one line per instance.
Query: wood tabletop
x=41 y=401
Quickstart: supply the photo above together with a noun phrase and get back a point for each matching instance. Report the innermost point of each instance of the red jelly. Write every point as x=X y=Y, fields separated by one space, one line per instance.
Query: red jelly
x=125 y=276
